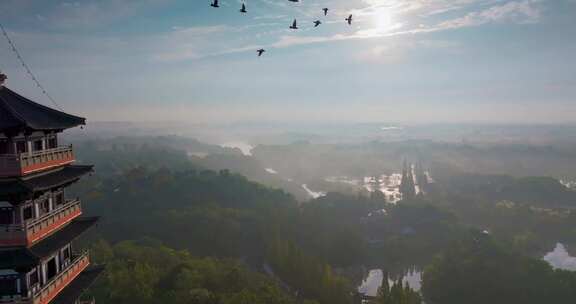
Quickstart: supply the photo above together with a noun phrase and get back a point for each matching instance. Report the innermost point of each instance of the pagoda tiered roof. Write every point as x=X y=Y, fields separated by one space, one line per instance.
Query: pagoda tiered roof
x=37 y=240
x=82 y=282
x=42 y=182
x=25 y=258
x=19 y=113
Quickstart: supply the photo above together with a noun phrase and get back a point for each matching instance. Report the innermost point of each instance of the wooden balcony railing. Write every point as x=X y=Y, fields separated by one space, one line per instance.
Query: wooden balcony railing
x=53 y=287
x=38 y=294
x=36 y=229
x=30 y=162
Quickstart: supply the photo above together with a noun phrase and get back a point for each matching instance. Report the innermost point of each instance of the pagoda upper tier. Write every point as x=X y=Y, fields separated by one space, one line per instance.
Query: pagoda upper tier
x=29 y=136
x=39 y=222
x=21 y=114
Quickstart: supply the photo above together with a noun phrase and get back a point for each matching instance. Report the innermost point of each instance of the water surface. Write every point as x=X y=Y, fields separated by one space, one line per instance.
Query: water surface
x=559 y=258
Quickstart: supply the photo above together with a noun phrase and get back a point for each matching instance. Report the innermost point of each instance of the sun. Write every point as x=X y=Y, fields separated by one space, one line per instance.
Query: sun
x=383 y=20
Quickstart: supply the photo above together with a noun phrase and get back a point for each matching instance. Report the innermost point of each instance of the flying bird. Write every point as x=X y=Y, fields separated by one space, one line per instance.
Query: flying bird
x=325 y=11
x=260 y=52
x=243 y=9
x=317 y=23
x=214 y=3
x=294 y=25
x=294 y=0
x=349 y=19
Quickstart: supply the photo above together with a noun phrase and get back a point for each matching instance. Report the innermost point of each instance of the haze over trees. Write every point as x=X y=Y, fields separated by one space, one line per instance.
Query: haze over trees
x=217 y=224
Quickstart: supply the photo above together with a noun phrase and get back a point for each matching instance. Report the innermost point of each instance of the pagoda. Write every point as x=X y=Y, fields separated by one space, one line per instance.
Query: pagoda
x=39 y=223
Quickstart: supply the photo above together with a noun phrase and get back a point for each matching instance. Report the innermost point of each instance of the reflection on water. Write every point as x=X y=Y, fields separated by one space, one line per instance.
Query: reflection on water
x=373 y=281
x=559 y=258
x=244 y=147
x=388 y=184
x=568 y=183
x=414 y=279
x=313 y=194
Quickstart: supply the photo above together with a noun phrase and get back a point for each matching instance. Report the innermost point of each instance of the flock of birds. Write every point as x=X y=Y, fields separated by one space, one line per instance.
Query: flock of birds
x=294 y=25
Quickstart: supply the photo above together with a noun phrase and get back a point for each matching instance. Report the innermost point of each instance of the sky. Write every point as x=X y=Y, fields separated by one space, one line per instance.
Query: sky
x=405 y=61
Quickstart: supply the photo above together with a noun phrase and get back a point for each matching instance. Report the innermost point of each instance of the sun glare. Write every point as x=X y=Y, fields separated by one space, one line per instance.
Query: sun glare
x=383 y=20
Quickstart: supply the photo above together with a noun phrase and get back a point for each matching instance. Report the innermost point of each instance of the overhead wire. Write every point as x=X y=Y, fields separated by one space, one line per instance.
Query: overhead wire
x=27 y=67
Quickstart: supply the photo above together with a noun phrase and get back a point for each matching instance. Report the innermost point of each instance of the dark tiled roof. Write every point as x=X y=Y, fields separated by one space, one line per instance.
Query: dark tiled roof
x=26 y=258
x=43 y=182
x=74 y=290
x=63 y=236
x=18 y=112
x=17 y=258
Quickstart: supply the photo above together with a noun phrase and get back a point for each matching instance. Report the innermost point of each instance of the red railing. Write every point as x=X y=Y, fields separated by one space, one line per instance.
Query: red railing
x=36 y=229
x=53 y=287
x=30 y=162
x=44 y=294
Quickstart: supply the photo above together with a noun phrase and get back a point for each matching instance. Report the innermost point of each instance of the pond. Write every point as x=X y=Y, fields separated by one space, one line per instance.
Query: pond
x=559 y=258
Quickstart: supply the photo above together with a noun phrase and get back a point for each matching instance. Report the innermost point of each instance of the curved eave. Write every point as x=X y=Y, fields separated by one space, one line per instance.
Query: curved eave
x=24 y=259
x=66 y=235
x=19 y=259
x=75 y=290
x=46 y=181
x=22 y=114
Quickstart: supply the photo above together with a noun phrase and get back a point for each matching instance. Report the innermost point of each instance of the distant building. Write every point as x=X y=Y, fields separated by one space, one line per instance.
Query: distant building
x=39 y=263
x=407 y=186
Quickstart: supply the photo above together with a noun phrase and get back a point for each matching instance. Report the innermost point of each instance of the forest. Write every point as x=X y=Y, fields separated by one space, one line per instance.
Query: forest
x=176 y=231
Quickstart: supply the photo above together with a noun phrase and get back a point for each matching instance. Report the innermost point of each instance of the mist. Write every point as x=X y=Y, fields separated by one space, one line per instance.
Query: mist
x=288 y=152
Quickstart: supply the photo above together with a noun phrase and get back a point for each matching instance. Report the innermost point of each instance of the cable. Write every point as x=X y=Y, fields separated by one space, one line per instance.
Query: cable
x=27 y=68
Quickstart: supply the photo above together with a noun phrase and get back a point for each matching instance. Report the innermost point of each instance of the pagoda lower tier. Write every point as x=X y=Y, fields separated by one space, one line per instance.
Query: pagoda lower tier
x=38 y=274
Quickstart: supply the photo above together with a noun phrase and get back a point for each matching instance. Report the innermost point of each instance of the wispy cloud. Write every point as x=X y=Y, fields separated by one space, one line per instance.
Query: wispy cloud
x=515 y=12
x=523 y=12
x=187 y=42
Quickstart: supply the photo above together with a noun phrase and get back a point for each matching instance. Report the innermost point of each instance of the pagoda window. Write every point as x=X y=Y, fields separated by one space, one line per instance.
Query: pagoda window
x=28 y=213
x=38 y=145
x=21 y=147
x=51 y=269
x=52 y=142
x=4 y=147
x=33 y=278
x=58 y=198
x=44 y=206
x=66 y=254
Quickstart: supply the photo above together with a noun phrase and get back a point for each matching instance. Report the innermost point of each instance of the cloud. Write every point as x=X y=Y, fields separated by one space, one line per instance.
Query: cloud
x=524 y=12
x=187 y=42
x=515 y=12
x=396 y=50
